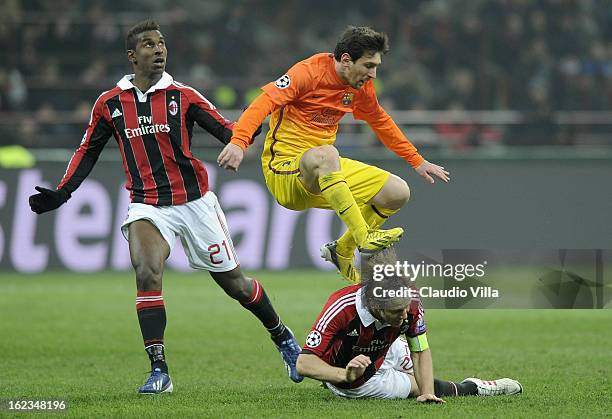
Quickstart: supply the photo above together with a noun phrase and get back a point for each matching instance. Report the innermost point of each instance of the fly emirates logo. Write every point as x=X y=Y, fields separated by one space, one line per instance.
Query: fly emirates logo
x=146 y=126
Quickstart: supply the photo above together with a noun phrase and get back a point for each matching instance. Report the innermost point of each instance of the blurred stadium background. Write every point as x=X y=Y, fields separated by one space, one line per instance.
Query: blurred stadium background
x=514 y=97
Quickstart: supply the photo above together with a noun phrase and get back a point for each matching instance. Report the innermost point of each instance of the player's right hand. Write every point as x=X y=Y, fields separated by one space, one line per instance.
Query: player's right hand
x=429 y=398
x=231 y=157
x=356 y=367
x=47 y=199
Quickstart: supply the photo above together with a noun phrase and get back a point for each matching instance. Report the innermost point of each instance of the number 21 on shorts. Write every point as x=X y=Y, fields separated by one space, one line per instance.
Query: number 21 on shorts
x=215 y=250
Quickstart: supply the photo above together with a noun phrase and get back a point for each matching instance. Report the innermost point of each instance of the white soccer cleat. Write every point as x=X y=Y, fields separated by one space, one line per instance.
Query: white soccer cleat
x=499 y=387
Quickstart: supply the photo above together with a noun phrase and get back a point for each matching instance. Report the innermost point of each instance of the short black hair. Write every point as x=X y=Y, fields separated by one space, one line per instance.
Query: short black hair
x=132 y=36
x=359 y=40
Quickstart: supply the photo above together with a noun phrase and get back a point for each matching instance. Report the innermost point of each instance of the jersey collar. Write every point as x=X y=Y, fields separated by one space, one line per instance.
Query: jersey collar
x=364 y=315
x=126 y=83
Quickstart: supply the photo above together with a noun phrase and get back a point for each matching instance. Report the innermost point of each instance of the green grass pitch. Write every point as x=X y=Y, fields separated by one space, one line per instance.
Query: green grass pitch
x=75 y=337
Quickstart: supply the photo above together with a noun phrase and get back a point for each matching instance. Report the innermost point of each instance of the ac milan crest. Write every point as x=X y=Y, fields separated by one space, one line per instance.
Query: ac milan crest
x=172 y=107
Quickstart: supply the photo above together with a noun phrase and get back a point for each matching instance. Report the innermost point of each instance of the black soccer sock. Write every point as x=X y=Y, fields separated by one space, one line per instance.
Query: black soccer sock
x=152 y=318
x=157 y=357
x=259 y=304
x=448 y=388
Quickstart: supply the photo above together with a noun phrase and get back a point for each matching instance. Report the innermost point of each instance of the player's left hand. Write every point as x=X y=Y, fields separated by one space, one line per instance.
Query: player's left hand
x=429 y=398
x=426 y=169
x=231 y=157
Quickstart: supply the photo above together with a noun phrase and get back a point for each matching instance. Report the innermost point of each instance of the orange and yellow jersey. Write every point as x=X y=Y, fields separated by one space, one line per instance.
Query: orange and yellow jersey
x=307 y=105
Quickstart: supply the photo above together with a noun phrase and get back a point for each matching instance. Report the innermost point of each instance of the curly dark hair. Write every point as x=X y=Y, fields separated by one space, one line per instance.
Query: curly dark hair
x=359 y=40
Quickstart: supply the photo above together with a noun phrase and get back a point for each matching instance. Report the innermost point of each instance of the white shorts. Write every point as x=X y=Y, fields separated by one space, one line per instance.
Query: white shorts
x=391 y=381
x=201 y=226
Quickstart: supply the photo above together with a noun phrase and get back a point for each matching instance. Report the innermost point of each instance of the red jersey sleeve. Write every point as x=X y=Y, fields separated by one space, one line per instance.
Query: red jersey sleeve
x=95 y=138
x=416 y=319
x=202 y=111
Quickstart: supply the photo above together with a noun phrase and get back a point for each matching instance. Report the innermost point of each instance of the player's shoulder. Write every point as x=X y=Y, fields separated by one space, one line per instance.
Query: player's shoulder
x=340 y=308
x=106 y=95
x=183 y=88
x=321 y=63
x=192 y=94
x=349 y=290
x=346 y=296
x=101 y=102
x=313 y=66
x=319 y=59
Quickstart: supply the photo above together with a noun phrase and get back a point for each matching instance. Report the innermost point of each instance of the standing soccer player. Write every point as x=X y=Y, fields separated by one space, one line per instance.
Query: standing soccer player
x=151 y=117
x=301 y=166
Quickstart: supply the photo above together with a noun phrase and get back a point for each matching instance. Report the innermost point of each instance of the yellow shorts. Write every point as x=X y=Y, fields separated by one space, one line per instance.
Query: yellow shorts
x=284 y=184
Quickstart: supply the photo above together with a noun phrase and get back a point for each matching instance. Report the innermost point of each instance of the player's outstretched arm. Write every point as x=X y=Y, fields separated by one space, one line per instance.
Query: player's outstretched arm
x=423 y=374
x=427 y=169
x=310 y=365
x=394 y=139
x=82 y=162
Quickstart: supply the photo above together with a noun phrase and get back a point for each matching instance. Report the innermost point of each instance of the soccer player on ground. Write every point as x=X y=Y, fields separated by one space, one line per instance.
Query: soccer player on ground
x=151 y=117
x=302 y=167
x=356 y=350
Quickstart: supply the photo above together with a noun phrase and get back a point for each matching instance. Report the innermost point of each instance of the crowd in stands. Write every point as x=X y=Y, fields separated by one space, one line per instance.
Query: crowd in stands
x=529 y=55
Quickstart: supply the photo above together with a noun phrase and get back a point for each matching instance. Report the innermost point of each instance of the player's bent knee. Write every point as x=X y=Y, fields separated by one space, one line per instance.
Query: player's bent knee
x=399 y=193
x=320 y=160
x=394 y=194
x=402 y=195
x=148 y=277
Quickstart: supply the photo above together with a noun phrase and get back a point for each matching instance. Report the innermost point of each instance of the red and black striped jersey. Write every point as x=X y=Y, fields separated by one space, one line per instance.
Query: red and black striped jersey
x=154 y=131
x=345 y=329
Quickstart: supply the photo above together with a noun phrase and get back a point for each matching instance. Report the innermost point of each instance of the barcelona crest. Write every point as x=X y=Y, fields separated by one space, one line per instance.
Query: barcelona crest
x=347 y=98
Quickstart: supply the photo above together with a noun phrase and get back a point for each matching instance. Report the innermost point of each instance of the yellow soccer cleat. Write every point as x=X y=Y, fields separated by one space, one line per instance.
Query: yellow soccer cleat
x=345 y=264
x=381 y=239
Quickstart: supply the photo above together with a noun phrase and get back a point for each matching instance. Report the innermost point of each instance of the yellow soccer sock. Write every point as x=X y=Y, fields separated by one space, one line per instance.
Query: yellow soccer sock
x=336 y=192
x=374 y=216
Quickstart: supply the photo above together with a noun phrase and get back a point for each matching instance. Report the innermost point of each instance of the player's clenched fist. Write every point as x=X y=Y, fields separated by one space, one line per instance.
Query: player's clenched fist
x=356 y=367
x=231 y=157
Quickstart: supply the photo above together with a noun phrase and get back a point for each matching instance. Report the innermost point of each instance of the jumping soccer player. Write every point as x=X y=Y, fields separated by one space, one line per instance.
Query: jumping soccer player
x=302 y=167
x=151 y=117
x=356 y=350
